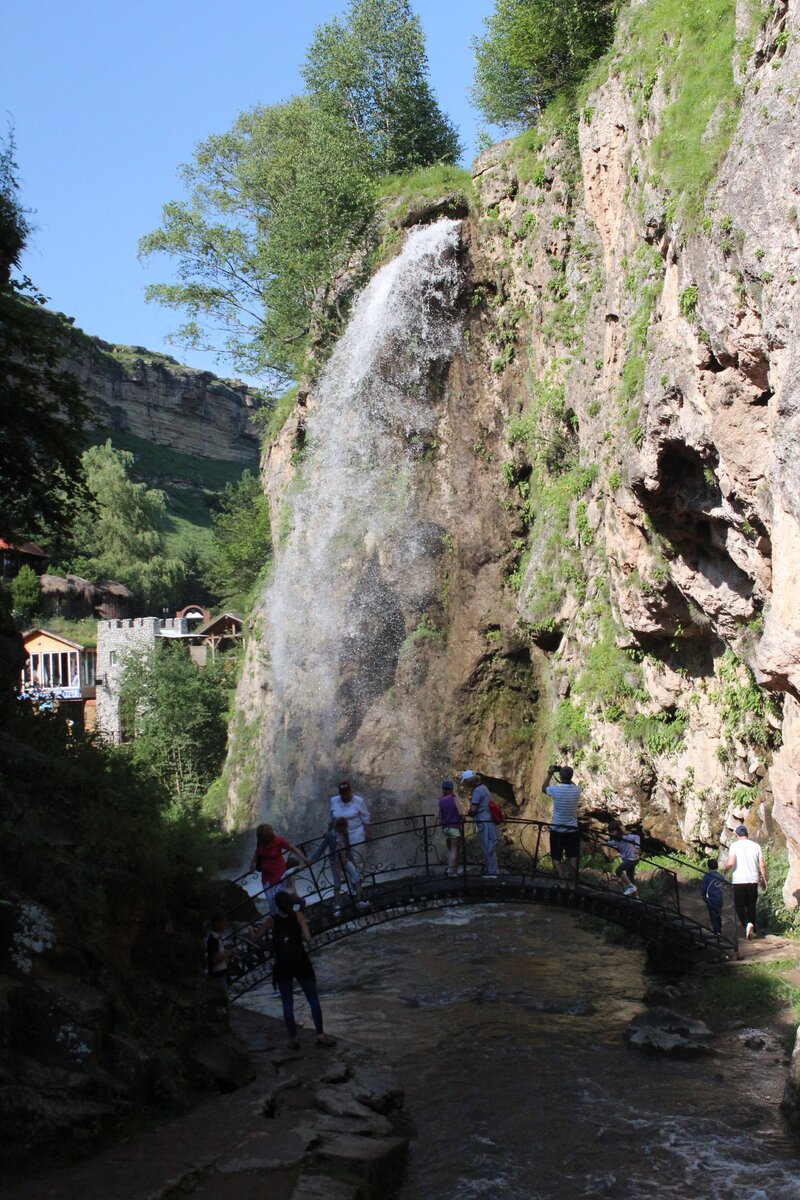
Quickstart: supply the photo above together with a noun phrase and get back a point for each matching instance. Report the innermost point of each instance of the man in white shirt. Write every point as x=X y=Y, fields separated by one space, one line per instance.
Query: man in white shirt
x=747 y=863
x=355 y=812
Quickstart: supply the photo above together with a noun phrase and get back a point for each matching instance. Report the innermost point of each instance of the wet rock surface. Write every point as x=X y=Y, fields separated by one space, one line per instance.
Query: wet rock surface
x=276 y=1136
x=660 y=1030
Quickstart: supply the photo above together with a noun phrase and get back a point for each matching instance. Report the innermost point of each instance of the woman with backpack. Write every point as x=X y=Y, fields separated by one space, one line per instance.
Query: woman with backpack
x=291 y=939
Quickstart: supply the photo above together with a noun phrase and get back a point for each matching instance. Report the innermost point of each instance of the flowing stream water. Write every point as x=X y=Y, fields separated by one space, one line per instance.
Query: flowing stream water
x=506 y=1026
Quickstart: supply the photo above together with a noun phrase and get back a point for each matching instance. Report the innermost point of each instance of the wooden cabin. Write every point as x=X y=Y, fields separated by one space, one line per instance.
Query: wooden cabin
x=58 y=671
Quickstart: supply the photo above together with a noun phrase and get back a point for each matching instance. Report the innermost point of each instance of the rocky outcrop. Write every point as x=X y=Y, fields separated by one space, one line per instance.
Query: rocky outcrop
x=613 y=469
x=154 y=397
x=663 y=1031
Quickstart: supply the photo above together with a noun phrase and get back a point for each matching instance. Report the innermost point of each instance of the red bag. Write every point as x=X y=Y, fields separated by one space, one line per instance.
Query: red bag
x=496 y=813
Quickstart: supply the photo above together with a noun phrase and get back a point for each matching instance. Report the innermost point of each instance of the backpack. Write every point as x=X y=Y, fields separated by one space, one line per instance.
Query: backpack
x=496 y=813
x=287 y=942
x=712 y=893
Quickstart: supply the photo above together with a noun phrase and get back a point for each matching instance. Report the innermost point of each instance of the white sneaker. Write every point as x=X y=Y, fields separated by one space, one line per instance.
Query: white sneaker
x=750 y=931
x=630 y=891
x=363 y=905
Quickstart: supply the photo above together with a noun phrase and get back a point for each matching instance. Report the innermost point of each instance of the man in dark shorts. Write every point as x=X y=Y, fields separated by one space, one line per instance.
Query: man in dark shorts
x=564 y=836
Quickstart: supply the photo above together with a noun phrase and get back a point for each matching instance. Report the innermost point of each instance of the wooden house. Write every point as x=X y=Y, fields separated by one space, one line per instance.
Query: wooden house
x=58 y=671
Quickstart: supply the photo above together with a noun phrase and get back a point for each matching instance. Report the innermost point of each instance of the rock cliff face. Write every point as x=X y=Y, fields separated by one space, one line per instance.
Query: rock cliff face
x=613 y=473
x=152 y=396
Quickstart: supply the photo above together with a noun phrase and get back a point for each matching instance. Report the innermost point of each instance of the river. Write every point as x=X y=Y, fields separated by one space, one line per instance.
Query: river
x=506 y=1027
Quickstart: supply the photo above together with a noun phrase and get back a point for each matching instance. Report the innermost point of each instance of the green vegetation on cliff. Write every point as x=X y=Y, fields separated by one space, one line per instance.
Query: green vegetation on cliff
x=534 y=50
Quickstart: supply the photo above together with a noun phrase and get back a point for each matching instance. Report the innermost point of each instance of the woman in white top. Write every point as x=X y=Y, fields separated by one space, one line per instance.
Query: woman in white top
x=355 y=812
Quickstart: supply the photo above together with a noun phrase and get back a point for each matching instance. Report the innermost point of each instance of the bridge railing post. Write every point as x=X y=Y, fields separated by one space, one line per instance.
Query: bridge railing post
x=426 y=845
x=536 y=851
x=464 y=850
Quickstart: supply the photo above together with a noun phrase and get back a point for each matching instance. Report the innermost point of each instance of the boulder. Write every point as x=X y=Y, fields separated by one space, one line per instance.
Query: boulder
x=790 y=1104
x=663 y=1031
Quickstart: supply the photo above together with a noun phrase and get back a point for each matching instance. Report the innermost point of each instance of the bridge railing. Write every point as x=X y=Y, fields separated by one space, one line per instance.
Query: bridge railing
x=415 y=846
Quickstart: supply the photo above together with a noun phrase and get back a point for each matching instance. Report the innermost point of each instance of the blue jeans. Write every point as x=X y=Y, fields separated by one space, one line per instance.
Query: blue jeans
x=309 y=986
x=489 y=837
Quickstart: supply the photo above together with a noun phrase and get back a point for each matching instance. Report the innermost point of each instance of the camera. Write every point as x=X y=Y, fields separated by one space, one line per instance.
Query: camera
x=553 y=768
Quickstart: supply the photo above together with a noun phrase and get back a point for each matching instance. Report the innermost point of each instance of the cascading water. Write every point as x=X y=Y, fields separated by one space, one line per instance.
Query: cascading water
x=356 y=559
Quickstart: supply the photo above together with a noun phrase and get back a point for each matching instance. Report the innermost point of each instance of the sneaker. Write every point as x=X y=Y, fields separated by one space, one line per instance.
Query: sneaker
x=631 y=890
x=490 y=875
x=363 y=905
x=337 y=912
x=750 y=931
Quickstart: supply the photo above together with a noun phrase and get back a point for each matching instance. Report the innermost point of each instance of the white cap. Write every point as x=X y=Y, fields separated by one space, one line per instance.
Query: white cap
x=465 y=775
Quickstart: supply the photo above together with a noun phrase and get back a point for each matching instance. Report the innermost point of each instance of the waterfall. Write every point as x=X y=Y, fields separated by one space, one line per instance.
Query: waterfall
x=352 y=567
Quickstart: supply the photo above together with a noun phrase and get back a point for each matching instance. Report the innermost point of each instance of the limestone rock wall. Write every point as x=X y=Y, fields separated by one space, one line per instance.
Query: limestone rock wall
x=158 y=399
x=615 y=470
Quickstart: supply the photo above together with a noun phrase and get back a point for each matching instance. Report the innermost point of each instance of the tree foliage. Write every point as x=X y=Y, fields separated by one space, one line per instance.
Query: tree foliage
x=176 y=716
x=371 y=69
x=122 y=536
x=275 y=207
x=42 y=408
x=534 y=49
x=278 y=208
x=25 y=593
x=242 y=541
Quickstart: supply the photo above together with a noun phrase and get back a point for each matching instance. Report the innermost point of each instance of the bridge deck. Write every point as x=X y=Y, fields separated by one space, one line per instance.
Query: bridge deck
x=681 y=937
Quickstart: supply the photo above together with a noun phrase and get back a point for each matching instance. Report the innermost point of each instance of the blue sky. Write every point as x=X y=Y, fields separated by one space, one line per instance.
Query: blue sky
x=108 y=97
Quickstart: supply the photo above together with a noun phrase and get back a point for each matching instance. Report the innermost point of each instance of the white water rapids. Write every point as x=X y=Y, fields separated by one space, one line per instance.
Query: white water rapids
x=349 y=528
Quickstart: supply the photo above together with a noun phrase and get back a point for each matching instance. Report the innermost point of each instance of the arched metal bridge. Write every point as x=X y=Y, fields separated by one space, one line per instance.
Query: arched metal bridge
x=403 y=869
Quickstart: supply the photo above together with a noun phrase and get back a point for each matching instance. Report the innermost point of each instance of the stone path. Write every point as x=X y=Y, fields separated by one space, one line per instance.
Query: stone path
x=314 y=1125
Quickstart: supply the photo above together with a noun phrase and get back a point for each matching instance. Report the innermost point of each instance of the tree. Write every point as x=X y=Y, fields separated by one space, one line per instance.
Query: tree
x=42 y=407
x=122 y=536
x=176 y=717
x=242 y=540
x=372 y=70
x=276 y=207
x=534 y=49
x=25 y=593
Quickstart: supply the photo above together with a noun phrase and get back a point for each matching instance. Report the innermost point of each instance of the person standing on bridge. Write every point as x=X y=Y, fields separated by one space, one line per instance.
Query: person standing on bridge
x=564 y=836
x=452 y=823
x=268 y=859
x=484 y=825
x=354 y=810
x=747 y=863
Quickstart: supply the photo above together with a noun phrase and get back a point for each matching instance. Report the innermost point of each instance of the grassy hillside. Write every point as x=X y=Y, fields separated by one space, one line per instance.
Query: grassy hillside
x=191 y=484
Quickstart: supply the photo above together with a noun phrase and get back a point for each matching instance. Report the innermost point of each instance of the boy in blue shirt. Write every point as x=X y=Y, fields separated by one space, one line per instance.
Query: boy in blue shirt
x=711 y=889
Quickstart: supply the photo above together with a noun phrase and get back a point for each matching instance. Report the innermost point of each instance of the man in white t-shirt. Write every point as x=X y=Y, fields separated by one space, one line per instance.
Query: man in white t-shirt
x=354 y=810
x=747 y=863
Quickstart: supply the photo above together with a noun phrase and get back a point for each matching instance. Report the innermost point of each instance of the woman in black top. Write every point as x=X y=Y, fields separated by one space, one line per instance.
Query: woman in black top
x=290 y=941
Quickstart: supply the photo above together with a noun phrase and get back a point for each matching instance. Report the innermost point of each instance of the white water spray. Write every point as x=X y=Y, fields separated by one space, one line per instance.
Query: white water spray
x=356 y=550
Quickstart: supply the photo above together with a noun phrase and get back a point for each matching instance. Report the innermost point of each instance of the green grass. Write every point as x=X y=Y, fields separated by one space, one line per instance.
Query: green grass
x=154 y=462
x=427 y=184
x=190 y=483
x=688 y=47
x=84 y=631
x=750 y=992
